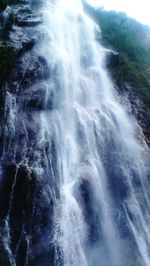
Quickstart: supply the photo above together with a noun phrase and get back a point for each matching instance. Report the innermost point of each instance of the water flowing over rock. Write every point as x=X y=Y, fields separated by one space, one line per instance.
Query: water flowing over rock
x=74 y=176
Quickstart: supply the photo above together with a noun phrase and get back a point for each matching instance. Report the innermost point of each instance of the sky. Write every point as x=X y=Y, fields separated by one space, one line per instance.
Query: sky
x=138 y=9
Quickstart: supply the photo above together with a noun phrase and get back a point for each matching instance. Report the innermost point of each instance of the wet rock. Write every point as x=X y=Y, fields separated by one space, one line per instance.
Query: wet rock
x=25 y=196
x=7 y=60
x=30 y=69
x=3 y=5
x=25 y=16
x=6 y=188
x=112 y=58
x=4 y=255
x=28 y=22
x=2 y=106
x=19 y=190
x=22 y=252
x=117 y=176
x=39 y=97
x=91 y=215
x=7 y=24
x=133 y=103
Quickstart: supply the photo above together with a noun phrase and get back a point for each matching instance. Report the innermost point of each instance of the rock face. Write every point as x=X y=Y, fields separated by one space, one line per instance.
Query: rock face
x=134 y=99
x=26 y=207
x=140 y=108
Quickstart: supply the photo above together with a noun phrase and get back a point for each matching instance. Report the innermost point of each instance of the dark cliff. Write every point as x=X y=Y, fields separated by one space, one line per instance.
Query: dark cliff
x=21 y=67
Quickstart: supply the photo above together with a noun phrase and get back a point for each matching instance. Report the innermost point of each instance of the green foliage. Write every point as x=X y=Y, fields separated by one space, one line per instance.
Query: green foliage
x=132 y=42
x=126 y=70
x=126 y=35
x=7 y=60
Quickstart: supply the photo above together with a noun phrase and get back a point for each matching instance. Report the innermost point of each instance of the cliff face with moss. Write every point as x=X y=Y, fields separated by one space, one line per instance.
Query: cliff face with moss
x=21 y=66
x=128 y=61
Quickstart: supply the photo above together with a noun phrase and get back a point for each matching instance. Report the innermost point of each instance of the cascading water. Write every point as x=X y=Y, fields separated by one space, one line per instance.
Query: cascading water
x=98 y=158
x=87 y=151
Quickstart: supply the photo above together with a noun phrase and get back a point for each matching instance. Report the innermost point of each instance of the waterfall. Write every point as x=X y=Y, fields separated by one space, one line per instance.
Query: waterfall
x=100 y=164
x=85 y=149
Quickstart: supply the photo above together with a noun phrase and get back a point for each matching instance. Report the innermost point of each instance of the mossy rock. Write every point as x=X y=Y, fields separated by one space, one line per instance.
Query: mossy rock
x=7 y=60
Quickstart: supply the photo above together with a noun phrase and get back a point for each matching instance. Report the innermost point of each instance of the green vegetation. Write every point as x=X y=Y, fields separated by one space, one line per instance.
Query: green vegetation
x=132 y=42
